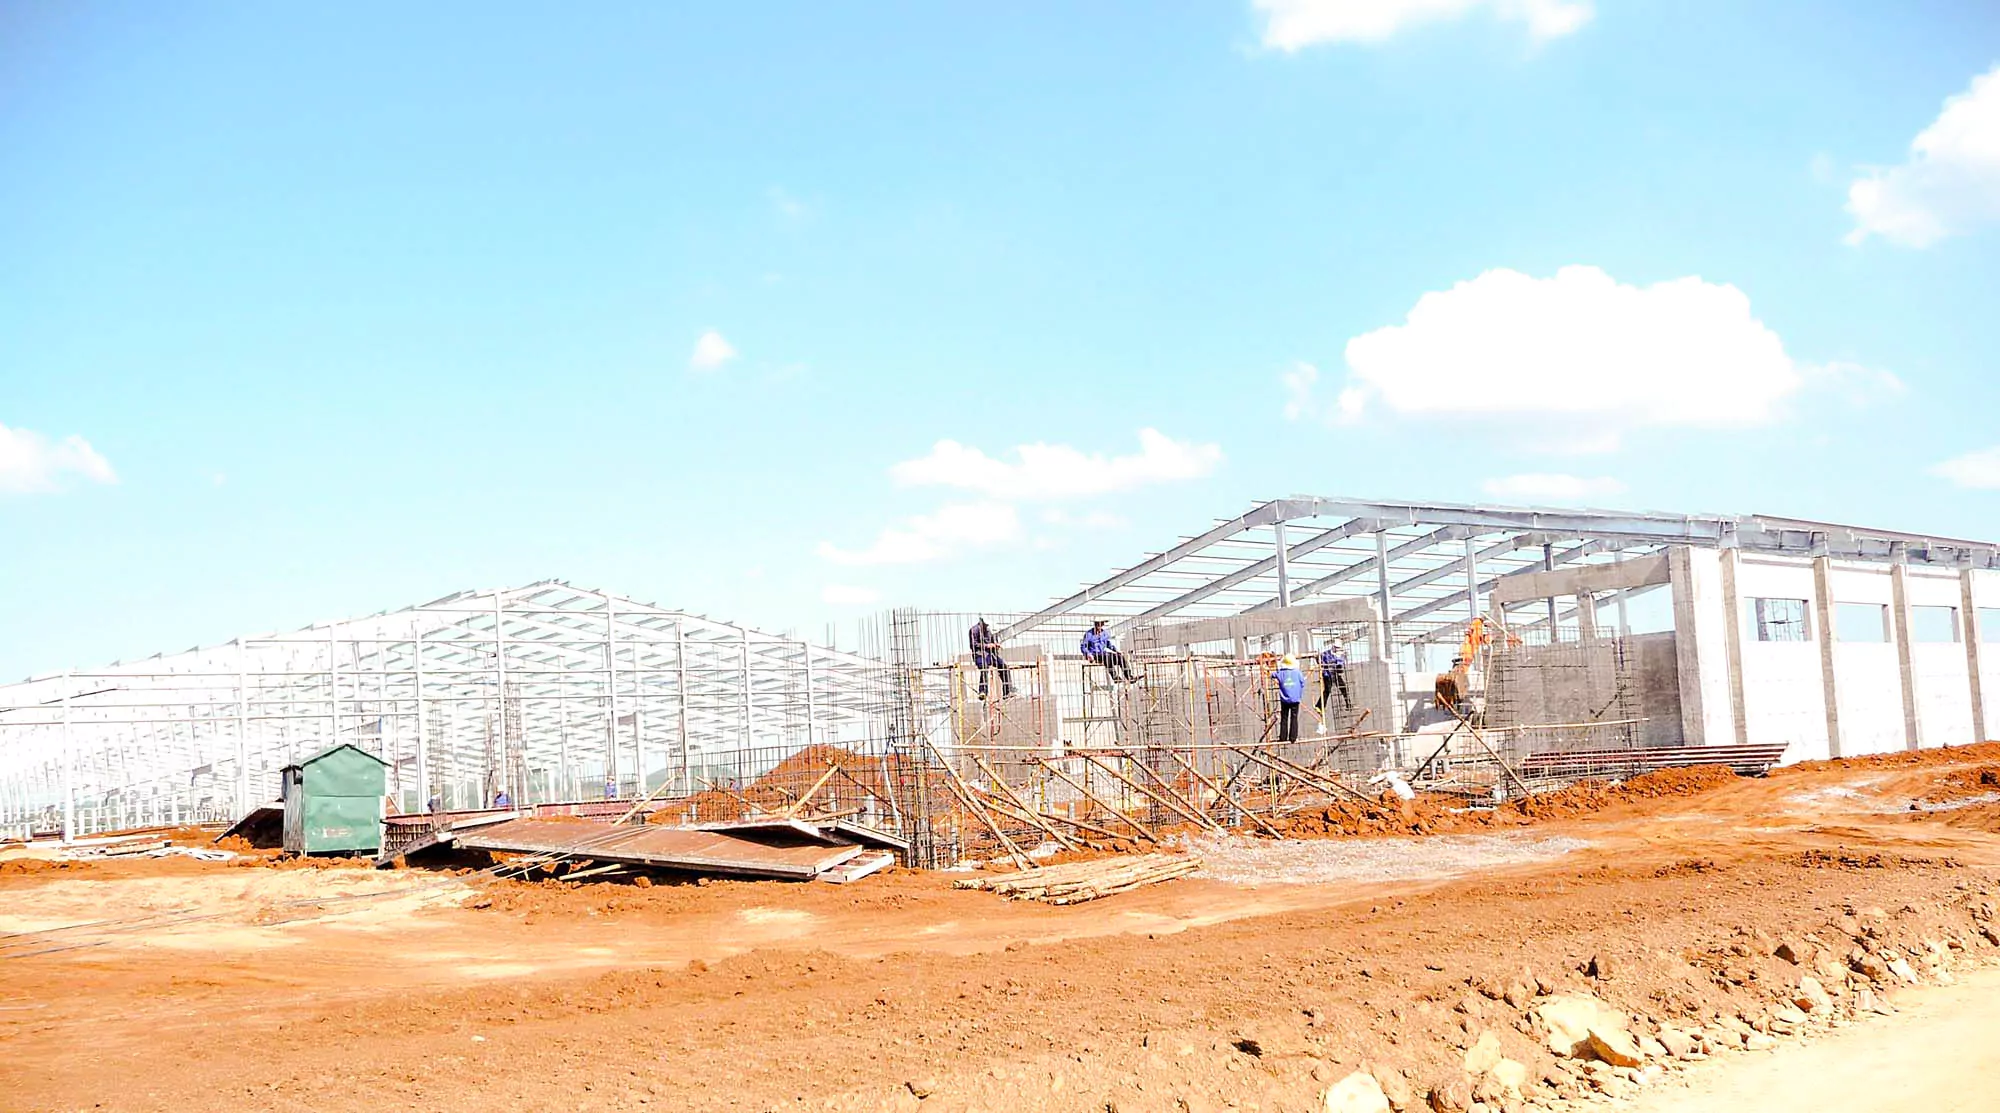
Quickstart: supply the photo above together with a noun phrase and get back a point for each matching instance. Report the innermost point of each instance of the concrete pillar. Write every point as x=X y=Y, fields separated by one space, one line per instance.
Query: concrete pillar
x=1823 y=631
x=1687 y=648
x=1732 y=634
x=1913 y=730
x=1586 y=618
x=1549 y=565
x=1968 y=611
x=1383 y=603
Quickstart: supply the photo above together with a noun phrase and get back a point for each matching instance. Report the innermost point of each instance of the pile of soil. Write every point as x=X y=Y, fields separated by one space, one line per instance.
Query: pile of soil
x=1437 y=814
x=848 y=790
x=1586 y=797
x=1960 y=784
x=18 y=866
x=1899 y=759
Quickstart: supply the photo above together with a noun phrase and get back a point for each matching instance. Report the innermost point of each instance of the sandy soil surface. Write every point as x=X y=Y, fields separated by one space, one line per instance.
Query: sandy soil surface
x=181 y=984
x=1940 y=1055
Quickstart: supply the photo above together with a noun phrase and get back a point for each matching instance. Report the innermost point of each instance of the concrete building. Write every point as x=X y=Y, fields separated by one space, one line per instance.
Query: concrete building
x=1834 y=640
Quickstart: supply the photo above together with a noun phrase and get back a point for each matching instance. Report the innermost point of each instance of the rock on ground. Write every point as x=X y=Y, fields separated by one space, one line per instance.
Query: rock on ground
x=1357 y=1093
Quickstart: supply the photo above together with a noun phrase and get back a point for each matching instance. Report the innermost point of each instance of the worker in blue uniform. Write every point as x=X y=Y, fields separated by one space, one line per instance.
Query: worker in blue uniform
x=1098 y=647
x=1291 y=693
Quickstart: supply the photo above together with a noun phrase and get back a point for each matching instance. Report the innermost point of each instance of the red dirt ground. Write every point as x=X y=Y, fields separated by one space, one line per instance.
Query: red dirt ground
x=238 y=985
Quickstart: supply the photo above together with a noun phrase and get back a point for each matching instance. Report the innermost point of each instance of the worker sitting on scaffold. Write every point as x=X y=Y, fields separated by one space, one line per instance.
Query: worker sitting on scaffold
x=986 y=657
x=1098 y=648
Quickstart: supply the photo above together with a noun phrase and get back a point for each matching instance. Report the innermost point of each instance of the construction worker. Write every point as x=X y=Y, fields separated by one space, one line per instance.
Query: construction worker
x=1332 y=676
x=1454 y=688
x=986 y=657
x=502 y=800
x=1098 y=647
x=1291 y=692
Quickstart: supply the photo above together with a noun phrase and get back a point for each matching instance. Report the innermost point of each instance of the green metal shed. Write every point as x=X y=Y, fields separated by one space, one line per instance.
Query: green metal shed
x=333 y=802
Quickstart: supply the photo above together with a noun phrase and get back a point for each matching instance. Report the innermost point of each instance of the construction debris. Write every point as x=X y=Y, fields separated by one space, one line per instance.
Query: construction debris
x=1081 y=881
x=110 y=847
x=789 y=851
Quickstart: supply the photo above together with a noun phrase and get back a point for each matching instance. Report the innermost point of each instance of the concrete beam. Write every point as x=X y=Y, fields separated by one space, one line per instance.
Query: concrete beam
x=1621 y=575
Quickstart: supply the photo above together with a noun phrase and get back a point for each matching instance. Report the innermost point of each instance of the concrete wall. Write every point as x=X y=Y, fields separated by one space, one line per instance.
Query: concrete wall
x=1943 y=686
x=1654 y=672
x=1867 y=675
x=1571 y=682
x=1784 y=683
x=1783 y=690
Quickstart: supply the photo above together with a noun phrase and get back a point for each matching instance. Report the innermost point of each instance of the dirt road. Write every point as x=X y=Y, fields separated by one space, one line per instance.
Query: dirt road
x=1941 y=1055
x=194 y=985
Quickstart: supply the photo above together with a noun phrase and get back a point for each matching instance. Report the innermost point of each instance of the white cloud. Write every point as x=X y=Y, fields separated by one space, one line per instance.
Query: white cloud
x=1951 y=182
x=1301 y=383
x=711 y=351
x=1295 y=24
x=1550 y=489
x=926 y=537
x=30 y=463
x=1578 y=353
x=1041 y=472
x=847 y=596
x=1979 y=470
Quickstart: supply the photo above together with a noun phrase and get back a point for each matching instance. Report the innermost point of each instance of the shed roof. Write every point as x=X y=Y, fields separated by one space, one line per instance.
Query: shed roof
x=329 y=752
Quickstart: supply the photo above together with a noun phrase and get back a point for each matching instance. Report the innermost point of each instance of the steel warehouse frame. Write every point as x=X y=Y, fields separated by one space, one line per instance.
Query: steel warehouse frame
x=547 y=691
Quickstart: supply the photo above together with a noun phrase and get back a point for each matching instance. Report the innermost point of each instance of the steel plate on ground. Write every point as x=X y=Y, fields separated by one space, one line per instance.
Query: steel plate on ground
x=664 y=847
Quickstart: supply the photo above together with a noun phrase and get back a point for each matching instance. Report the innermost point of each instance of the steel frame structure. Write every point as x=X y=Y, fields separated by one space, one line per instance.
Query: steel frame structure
x=1426 y=566
x=548 y=690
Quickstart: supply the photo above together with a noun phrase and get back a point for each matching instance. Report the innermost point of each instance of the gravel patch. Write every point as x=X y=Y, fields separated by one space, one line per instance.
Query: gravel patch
x=1246 y=861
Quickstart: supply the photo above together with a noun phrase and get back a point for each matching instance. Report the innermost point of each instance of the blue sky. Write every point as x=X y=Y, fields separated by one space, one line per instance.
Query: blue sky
x=311 y=312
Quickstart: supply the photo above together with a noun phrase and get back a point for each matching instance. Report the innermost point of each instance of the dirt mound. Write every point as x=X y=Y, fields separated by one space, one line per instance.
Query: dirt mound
x=1440 y=814
x=1692 y=780
x=32 y=865
x=1986 y=752
x=1976 y=817
x=1585 y=797
x=304 y=862
x=707 y=806
x=1960 y=784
